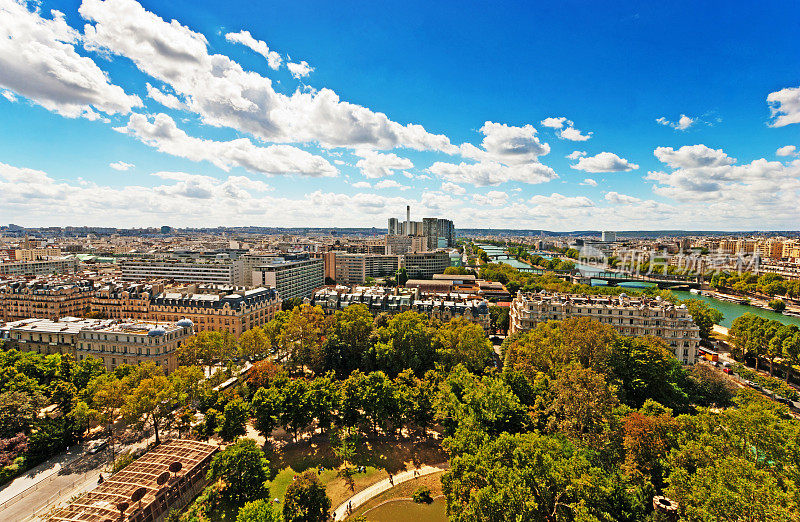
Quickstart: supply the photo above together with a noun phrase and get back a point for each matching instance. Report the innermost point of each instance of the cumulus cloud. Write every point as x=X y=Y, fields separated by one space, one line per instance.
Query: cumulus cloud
x=573 y=134
x=377 y=165
x=38 y=61
x=590 y=182
x=683 y=123
x=617 y=198
x=575 y=154
x=299 y=70
x=167 y=100
x=604 y=162
x=722 y=190
x=223 y=94
x=788 y=150
x=390 y=184
x=784 y=106
x=362 y=185
x=492 y=173
x=245 y=38
x=452 y=188
x=163 y=134
x=556 y=123
x=493 y=198
x=121 y=165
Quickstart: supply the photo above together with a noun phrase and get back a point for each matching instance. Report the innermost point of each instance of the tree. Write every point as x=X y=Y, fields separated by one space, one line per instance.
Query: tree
x=258 y=511
x=349 y=338
x=262 y=373
x=241 y=470
x=647 y=442
x=264 y=408
x=401 y=276
x=306 y=500
x=151 y=402
x=301 y=338
x=406 y=342
x=294 y=410
x=235 y=417
x=704 y=316
x=499 y=317
x=778 y=305
x=254 y=343
x=323 y=396
x=463 y=342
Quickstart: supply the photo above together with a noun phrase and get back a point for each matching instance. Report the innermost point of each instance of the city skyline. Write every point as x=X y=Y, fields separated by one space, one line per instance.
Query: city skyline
x=116 y=113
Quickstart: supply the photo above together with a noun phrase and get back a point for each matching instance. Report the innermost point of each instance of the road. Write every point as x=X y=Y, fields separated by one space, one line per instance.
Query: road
x=56 y=481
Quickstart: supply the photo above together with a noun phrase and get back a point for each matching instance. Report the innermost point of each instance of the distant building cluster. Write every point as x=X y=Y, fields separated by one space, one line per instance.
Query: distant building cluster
x=633 y=316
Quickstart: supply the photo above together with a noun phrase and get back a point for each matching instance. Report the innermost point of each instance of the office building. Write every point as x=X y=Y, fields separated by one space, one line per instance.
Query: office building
x=401 y=245
x=633 y=316
x=291 y=278
x=424 y=265
x=438 y=233
x=608 y=237
x=394 y=227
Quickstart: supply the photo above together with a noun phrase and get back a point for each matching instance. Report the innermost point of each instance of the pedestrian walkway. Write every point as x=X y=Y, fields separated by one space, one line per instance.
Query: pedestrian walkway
x=362 y=497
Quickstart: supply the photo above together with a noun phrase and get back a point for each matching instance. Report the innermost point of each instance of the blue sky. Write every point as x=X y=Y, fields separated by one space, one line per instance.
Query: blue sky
x=512 y=115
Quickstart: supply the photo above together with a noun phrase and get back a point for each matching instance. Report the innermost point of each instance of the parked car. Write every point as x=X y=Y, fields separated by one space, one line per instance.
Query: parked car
x=97 y=448
x=727 y=370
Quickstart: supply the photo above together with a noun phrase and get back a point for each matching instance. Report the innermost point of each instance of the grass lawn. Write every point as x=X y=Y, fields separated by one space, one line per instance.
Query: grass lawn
x=405 y=490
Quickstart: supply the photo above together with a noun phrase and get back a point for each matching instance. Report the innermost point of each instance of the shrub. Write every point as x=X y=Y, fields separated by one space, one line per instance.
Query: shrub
x=422 y=495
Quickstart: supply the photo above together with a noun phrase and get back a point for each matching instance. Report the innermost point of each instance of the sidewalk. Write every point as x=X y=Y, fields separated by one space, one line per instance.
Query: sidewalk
x=362 y=497
x=39 y=473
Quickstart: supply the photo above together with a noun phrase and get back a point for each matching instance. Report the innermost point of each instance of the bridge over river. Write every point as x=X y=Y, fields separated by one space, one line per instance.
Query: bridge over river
x=585 y=275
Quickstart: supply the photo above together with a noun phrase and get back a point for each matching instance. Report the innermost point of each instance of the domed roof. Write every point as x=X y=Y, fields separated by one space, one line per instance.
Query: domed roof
x=185 y=323
x=156 y=331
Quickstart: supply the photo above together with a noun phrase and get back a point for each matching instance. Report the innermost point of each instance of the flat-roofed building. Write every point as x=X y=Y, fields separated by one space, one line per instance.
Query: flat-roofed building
x=39 y=267
x=291 y=278
x=46 y=336
x=633 y=316
x=48 y=299
x=353 y=269
x=163 y=488
x=424 y=265
x=211 y=271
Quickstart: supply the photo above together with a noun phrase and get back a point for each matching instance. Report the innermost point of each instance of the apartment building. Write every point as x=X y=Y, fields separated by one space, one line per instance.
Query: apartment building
x=234 y=310
x=112 y=341
x=39 y=267
x=423 y=265
x=212 y=271
x=44 y=299
x=209 y=307
x=291 y=278
x=401 y=245
x=353 y=269
x=632 y=316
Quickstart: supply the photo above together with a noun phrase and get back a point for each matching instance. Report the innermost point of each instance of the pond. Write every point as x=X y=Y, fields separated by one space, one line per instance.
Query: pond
x=409 y=511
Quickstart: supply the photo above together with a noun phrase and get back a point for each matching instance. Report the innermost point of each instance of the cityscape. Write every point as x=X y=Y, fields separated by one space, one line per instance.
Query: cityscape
x=301 y=262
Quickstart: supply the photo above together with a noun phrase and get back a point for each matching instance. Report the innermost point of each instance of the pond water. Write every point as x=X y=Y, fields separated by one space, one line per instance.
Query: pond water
x=409 y=511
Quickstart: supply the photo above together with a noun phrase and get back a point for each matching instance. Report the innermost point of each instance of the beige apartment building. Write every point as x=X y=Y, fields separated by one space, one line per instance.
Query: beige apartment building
x=112 y=341
x=44 y=299
x=632 y=316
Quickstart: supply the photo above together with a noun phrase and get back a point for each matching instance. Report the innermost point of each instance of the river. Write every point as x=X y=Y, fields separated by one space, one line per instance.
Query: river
x=730 y=311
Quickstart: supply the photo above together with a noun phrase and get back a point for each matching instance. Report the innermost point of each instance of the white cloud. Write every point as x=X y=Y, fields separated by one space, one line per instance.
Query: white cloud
x=167 y=100
x=506 y=144
x=788 y=150
x=604 y=162
x=38 y=61
x=555 y=123
x=452 y=188
x=784 y=106
x=683 y=123
x=362 y=184
x=617 y=198
x=483 y=174
x=377 y=165
x=575 y=154
x=121 y=165
x=493 y=198
x=590 y=182
x=225 y=95
x=390 y=184
x=299 y=70
x=693 y=156
x=261 y=47
x=8 y=95
x=573 y=134
x=163 y=134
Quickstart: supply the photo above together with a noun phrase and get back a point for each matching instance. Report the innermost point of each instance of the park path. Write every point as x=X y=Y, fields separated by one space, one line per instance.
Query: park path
x=376 y=489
